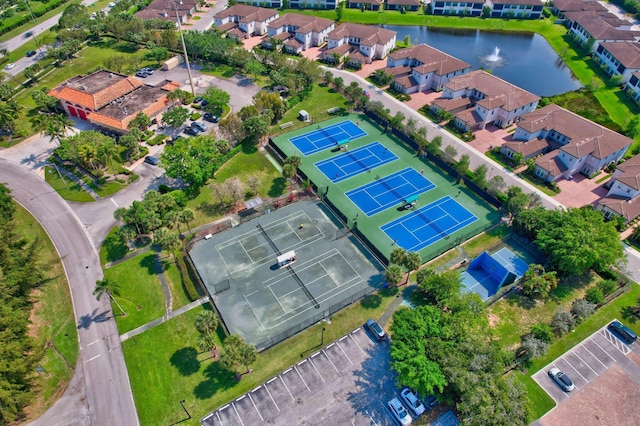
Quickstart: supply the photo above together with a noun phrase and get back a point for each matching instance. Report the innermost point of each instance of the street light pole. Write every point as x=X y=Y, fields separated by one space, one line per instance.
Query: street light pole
x=184 y=51
x=34 y=21
x=185 y=409
x=322 y=338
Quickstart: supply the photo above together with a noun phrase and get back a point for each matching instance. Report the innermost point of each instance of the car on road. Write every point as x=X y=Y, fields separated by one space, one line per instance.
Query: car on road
x=375 y=329
x=366 y=94
x=9 y=66
x=623 y=332
x=151 y=160
x=31 y=53
x=411 y=400
x=399 y=412
x=192 y=131
x=28 y=34
x=200 y=126
x=561 y=379
x=211 y=118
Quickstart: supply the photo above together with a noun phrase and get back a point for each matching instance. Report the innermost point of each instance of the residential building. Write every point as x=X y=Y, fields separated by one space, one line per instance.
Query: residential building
x=423 y=67
x=577 y=144
x=528 y=9
x=110 y=100
x=169 y=10
x=561 y=7
x=243 y=21
x=483 y=99
x=465 y=8
x=621 y=58
x=298 y=32
x=360 y=44
x=632 y=88
x=276 y=4
x=624 y=188
x=590 y=29
x=408 y=5
x=364 y=4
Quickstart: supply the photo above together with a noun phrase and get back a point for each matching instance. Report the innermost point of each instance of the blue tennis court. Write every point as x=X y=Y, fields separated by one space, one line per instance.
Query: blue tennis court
x=355 y=161
x=429 y=224
x=326 y=137
x=390 y=190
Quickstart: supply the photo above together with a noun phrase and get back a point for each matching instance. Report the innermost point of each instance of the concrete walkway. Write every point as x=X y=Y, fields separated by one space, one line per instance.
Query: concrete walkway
x=166 y=317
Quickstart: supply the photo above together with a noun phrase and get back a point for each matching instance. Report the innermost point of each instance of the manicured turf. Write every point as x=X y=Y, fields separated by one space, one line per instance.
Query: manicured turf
x=141 y=296
x=370 y=226
x=67 y=189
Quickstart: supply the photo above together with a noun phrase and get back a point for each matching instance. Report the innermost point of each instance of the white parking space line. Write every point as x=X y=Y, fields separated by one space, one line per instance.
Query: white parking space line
x=237 y=414
x=345 y=354
x=300 y=375
x=315 y=368
x=287 y=387
x=274 y=401
x=584 y=362
x=219 y=419
x=593 y=355
x=603 y=350
x=254 y=406
x=334 y=367
x=354 y=341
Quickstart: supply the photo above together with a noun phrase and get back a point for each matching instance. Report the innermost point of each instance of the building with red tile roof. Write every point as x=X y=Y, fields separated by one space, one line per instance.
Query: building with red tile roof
x=110 y=100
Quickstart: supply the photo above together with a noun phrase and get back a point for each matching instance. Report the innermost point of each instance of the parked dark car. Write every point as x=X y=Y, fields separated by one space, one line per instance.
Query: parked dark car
x=151 y=160
x=623 y=332
x=31 y=53
x=204 y=103
x=200 y=126
x=142 y=74
x=375 y=329
x=191 y=131
x=561 y=379
x=197 y=100
x=211 y=118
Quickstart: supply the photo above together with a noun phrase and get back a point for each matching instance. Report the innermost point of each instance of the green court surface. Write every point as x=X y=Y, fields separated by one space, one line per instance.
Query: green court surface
x=370 y=226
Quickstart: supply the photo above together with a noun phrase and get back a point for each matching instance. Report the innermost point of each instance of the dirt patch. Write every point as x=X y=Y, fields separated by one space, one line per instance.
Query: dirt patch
x=493 y=320
x=611 y=399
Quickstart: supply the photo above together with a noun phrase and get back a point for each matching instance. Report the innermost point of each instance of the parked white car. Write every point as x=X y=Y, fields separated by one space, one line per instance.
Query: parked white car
x=399 y=412
x=412 y=401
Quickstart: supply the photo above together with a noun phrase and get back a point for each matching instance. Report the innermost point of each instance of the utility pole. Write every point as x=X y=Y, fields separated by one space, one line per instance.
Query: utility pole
x=35 y=23
x=184 y=51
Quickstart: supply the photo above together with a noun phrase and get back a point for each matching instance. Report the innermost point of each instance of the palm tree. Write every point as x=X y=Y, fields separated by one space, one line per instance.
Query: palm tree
x=53 y=125
x=207 y=343
x=206 y=322
x=9 y=112
x=186 y=216
x=110 y=288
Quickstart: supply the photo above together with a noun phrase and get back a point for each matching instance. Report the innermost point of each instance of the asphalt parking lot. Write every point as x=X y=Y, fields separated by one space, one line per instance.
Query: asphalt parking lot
x=586 y=361
x=347 y=382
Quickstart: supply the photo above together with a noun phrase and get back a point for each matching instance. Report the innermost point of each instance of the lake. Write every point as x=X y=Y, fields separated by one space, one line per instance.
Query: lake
x=523 y=59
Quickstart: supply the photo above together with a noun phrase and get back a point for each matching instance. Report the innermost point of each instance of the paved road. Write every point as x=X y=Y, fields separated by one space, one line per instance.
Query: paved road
x=101 y=370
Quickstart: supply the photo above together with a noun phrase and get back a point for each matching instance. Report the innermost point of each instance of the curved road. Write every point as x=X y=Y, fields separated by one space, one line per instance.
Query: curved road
x=100 y=370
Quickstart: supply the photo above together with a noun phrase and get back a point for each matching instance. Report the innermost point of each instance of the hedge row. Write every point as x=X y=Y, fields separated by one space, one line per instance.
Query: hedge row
x=38 y=10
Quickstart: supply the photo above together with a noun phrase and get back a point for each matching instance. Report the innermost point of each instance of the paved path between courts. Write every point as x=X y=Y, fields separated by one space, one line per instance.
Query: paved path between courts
x=166 y=317
x=403 y=295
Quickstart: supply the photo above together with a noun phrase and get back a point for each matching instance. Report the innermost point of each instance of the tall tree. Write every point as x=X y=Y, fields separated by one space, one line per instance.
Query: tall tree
x=110 y=289
x=141 y=122
x=441 y=288
x=176 y=117
x=216 y=98
x=236 y=352
x=517 y=201
x=412 y=261
x=393 y=275
x=206 y=322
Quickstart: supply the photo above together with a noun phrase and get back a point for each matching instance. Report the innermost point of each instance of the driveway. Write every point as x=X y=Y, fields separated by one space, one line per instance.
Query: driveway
x=347 y=382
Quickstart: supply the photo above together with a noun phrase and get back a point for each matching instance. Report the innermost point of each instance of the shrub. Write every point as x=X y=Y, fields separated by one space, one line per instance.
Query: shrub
x=542 y=332
x=195 y=116
x=595 y=296
x=533 y=347
x=582 y=309
x=562 y=321
x=607 y=287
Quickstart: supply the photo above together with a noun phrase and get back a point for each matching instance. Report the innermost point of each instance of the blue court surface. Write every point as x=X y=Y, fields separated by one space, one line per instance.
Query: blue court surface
x=326 y=137
x=429 y=224
x=487 y=273
x=388 y=191
x=354 y=162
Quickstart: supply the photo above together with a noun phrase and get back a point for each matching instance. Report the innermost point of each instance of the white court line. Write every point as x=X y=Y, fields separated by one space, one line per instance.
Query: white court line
x=315 y=368
x=254 y=406
x=354 y=341
x=254 y=312
x=345 y=354
x=277 y=298
x=329 y=359
x=300 y=375
x=237 y=414
x=287 y=387
x=274 y=401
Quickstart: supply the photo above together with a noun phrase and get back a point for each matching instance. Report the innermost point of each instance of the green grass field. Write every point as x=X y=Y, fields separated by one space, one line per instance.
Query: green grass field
x=64 y=186
x=52 y=320
x=141 y=296
x=370 y=226
x=165 y=366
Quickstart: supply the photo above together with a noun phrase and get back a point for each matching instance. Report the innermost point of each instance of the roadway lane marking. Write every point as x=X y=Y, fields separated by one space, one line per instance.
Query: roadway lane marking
x=92 y=358
x=114 y=202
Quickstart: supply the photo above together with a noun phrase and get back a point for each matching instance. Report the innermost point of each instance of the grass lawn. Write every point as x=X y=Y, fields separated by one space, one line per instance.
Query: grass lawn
x=174 y=278
x=113 y=248
x=486 y=240
x=321 y=99
x=165 y=367
x=52 y=321
x=67 y=189
x=108 y=188
x=242 y=165
x=540 y=402
x=140 y=293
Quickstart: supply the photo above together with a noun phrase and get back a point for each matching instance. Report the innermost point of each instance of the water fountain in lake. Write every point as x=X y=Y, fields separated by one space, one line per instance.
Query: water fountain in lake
x=495 y=56
x=493 y=59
